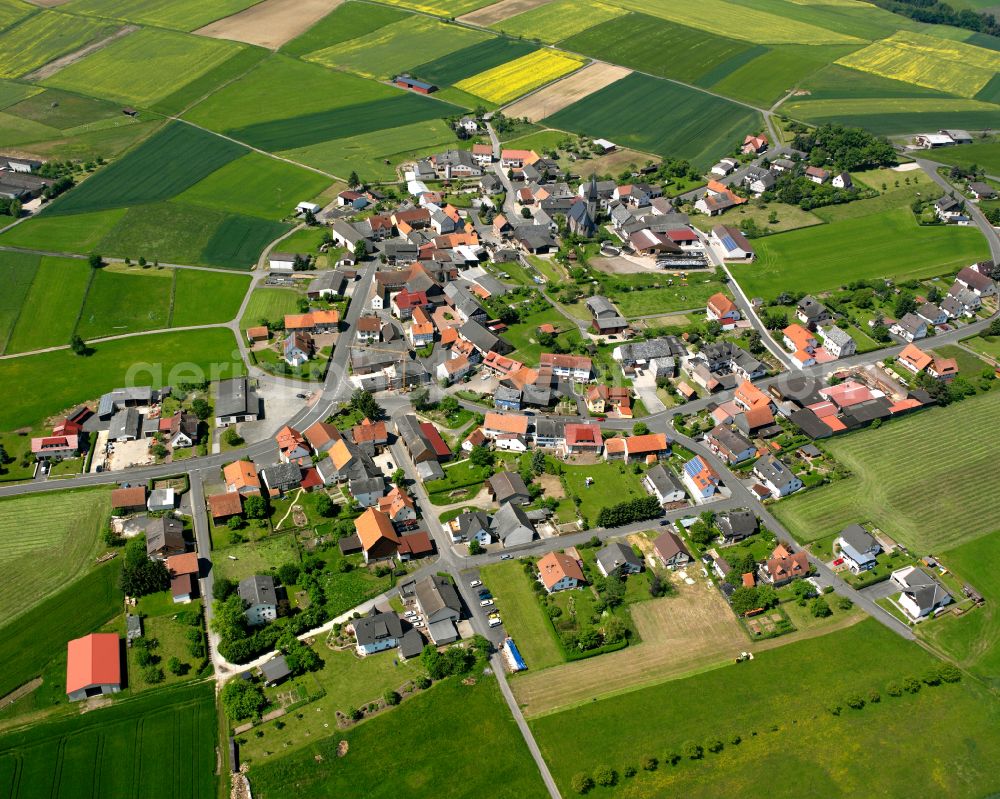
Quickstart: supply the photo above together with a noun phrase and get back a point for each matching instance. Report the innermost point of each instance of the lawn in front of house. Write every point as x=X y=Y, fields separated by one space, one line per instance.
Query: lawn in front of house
x=462 y=481
x=613 y=482
x=522 y=614
x=240 y=561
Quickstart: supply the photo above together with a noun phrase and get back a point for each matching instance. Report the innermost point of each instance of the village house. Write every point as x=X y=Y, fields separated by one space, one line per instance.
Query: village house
x=921 y=594
x=754 y=145
x=377 y=535
x=574 y=367
x=736 y=525
x=723 y=310
x=236 y=401
x=857 y=547
x=838 y=342
x=583 y=438
x=439 y=603
x=559 y=572
x=910 y=328
x=618 y=557
x=260 y=602
x=377 y=632
x=647 y=447
x=511 y=526
x=729 y=444
x=670 y=550
x=241 y=477
x=507 y=487
x=776 y=476
x=291 y=445
x=664 y=485
x=699 y=478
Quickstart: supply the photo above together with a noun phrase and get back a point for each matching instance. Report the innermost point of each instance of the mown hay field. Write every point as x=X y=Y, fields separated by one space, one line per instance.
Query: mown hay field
x=184 y=15
x=158 y=746
x=396 y=47
x=46 y=542
x=902 y=461
x=701 y=129
x=44 y=37
x=516 y=78
x=741 y=21
x=11 y=11
x=17 y=271
x=896 y=115
x=886 y=244
x=949 y=66
x=144 y=66
x=119 y=301
x=558 y=20
x=168 y=163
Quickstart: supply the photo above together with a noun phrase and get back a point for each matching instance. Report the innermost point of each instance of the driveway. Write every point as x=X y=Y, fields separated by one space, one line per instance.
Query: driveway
x=881 y=590
x=645 y=387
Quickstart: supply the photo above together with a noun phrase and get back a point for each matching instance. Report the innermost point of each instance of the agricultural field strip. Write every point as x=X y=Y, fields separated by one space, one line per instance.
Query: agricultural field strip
x=43 y=37
x=516 y=78
x=953 y=67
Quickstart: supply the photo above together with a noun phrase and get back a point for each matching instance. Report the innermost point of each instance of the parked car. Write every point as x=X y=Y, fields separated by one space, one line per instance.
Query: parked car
x=506 y=557
x=495 y=622
x=475 y=583
x=300 y=396
x=485 y=603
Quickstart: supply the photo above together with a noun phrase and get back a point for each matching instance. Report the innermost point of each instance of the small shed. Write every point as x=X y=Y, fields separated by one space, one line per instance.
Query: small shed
x=275 y=671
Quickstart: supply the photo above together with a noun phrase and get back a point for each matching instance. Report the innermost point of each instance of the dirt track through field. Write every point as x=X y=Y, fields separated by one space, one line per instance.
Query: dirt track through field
x=556 y=96
x=50 y=69
x=498 y=12
x=272 y=23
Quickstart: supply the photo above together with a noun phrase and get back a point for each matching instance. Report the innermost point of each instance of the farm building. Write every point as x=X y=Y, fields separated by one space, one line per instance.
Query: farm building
x=93 y=666
x=419 y=86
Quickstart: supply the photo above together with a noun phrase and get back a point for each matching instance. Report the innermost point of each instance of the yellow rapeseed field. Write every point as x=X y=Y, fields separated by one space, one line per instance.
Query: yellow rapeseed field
x=953 y=67
x=520 y=76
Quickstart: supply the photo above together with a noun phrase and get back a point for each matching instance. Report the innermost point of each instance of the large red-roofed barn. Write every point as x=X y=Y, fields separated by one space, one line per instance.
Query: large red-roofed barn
x=93 y=666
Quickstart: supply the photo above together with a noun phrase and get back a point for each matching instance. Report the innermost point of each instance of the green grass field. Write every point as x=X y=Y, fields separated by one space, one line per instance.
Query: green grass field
x=44 y=37
x=443 y=8
x=206 y=297
x=702 y=127
x=184 y=15
x=972 y=639
x=522 y=614
x=843 y=755
x=65 y=111
x=894 y=115
x=692 y=295
x=107 y=143
x=80 y=607
x=376 y=115
x=282 y=88
x=367 y=153
x=395 y=47
x=46 y=542
x=471 y=60
x=49 y=311
x=346 y=22
x=559 y=20
x=460 y=729
x=256 y=185
x=163 y=166
x=985 y=154
x=11 y=11
x=144 y=66
x=17 y=271
x=884 y=244
x=271 y=304
x=125 y=301
x=613 y=483
x=662 y=48
x=62 y=379
x=902 y=460
x=119 y=750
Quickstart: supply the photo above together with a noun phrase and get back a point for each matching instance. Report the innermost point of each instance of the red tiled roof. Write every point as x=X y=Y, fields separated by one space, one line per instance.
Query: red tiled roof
x=94 y=659
x=128 y=497
x=223 y=505
x=434 y=439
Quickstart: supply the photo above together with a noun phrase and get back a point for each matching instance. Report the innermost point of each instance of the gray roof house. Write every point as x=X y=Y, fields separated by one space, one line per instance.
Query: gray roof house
x=921 y=593
x=736 y=525
x=472 y=525
x=438 y=600
x=508 y=487
x=512 y=526
x=275 y=671
x=664 y=485
x=260 y=603
x=164 y=537
x=618 y=556
x=281 y=476
x=377 y=631
x=778 y=478
x=858 y=547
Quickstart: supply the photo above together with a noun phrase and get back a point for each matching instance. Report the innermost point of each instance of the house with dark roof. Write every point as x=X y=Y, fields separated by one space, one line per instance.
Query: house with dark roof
x=507 y=487
x=620 y=557
x=779 y=479
x=670 y=550
x=377 y=632
x=260 y=602
x=275 y=671
x=512 y=526
x=921 y=594
x=236 y=401
x=438 y=601
x=857 y=547
x=164 y=537
x=664 y=485
x=471 y=526
x=736 y=525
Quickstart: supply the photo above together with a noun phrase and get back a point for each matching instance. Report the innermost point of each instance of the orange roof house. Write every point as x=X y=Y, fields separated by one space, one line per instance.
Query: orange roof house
x=914 y=359
x=241 y=476
x=943 y=368
x=398 y=505
x=495 y=423
x=222 y=506
x=321 y=436
x=377 y=535
x=93 y=666
x=186 y=563
x=559 y=571
x=721 y=308
x=650 y=444
x=369 y=432
x=748 y=396
x=782 y=567
x=340 y=455
x=312 y=320
x=291 y=444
